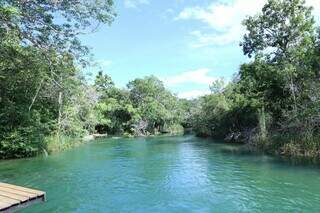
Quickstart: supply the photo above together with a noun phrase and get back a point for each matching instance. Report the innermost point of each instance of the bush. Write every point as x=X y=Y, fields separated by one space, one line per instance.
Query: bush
x=22 y=142
x=55 y=144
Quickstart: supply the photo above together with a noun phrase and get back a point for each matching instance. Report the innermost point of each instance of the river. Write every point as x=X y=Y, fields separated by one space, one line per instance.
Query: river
x=165 y=174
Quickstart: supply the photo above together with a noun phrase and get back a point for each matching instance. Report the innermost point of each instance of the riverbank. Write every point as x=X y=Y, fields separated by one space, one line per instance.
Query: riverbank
x=54 y=145
x=293 y=148
x=63 y=143
x=305 y=148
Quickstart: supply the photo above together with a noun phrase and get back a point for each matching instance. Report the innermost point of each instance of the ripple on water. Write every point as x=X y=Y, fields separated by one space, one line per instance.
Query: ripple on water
x=166 y=174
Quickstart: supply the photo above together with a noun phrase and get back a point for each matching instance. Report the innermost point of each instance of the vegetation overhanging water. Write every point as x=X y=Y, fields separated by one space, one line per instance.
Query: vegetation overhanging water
x=47 y=105
x=46 y=101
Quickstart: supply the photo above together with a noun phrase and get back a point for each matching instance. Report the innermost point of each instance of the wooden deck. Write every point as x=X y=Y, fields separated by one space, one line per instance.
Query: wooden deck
x=14 y=197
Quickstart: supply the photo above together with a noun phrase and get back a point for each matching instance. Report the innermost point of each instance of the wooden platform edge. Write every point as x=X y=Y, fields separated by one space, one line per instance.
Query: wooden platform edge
x=23 y=205
x=38 y=198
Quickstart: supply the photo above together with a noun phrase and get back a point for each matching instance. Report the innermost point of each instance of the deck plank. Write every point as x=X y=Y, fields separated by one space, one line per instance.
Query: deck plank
x=16 y=197
x=9 y=200
x=39 y=193
x=4 y=205
x=18 y=192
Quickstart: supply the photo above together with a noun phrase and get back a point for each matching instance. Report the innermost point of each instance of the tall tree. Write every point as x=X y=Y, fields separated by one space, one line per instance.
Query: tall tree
x=282 y=26
x=282 y=35
x=54 y=24
x=41 y=90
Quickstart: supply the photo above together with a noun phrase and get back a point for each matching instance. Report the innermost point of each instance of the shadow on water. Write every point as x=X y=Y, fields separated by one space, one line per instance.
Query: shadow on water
x=243 y=151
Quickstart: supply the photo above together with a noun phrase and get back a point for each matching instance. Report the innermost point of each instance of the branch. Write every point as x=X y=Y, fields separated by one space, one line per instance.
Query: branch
x=36 y=95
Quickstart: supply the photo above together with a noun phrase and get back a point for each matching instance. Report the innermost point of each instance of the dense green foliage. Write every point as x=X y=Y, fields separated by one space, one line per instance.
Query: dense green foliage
x=145 y=107
x=42 y=92
x=273 y=102
x=45 y=100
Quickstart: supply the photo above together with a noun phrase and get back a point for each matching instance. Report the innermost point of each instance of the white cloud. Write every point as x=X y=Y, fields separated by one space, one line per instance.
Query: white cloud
x=134 y=3
x=207 y=39
x=199 y=76
x=193 y=94
x=103 y=63
x=224 y=20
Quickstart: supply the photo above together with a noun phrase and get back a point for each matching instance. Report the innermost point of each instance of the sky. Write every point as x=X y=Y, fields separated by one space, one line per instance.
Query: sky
x=186 y=43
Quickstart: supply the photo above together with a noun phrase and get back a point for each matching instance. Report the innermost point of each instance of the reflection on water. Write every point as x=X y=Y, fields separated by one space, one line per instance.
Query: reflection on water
x=165 y=174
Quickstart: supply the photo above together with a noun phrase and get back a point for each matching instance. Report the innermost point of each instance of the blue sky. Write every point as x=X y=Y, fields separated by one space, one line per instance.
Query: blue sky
x=186 y=43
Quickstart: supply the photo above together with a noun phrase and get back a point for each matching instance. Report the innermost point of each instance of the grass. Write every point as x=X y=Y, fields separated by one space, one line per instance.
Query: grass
x=291 y=146
x=55 y=144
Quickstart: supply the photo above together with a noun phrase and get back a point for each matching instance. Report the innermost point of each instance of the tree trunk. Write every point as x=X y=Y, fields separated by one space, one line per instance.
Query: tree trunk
x=36 y=95
x=262 y=123
x=293 y=95
x=59 y=115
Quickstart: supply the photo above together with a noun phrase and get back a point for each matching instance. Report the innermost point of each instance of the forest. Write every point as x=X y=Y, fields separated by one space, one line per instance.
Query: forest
x=272 y=103
x=46 y=103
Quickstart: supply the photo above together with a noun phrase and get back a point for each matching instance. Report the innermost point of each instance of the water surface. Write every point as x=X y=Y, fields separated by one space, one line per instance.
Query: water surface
x=165 y=174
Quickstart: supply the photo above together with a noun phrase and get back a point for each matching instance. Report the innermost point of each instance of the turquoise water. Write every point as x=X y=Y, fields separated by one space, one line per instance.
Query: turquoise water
x=166 y=174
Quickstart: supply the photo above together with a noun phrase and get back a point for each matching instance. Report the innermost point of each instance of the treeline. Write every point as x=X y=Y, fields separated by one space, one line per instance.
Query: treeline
x=144 y=108
x=43 y=94
x=273 y=102
x=45 y=102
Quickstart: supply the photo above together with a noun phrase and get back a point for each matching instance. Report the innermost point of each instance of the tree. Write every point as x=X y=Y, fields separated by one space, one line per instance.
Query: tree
x=282 y=26
x=281 y=38
x=217 y=86
x=157 y=106
x=115 y=112
x=146 y=107
x=53 y=24
x=103 y=82
x=42 y=92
